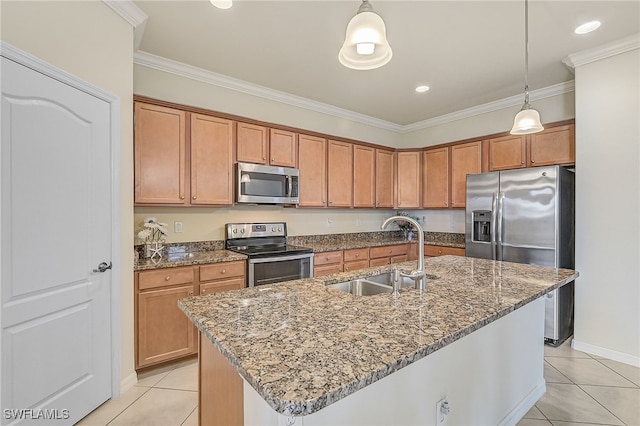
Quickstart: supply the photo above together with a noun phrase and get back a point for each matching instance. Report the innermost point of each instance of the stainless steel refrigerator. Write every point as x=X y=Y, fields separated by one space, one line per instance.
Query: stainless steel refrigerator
x=527 y=216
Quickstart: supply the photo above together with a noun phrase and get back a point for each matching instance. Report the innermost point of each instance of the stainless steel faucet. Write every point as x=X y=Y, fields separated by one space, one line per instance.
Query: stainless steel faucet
x=419 y=275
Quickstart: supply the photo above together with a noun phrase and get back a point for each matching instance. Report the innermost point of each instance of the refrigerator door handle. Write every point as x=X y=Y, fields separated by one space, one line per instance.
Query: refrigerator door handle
x=494 y=214
x=499 y=239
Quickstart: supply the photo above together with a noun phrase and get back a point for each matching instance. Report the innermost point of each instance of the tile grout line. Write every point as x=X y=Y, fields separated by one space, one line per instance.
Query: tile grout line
x=599 y=403
x=127 y=407
x=189 y=415
x=619 y=374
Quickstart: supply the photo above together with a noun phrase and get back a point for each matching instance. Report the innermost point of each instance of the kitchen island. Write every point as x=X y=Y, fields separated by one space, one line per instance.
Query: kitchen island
x=302 y=353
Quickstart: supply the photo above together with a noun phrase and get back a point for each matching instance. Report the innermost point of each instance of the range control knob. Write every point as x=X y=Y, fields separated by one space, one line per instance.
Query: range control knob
x=273 y=229
x=279 y=229
x=242 y=231
x=235 y=231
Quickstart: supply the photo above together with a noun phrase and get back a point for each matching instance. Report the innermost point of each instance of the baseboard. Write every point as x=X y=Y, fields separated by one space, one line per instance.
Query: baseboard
x=128 y=382
x=525 y=405
x=606 y=353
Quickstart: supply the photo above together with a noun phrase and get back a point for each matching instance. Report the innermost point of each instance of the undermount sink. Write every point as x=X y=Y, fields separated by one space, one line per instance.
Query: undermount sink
x=375 y=284
x=361 y=287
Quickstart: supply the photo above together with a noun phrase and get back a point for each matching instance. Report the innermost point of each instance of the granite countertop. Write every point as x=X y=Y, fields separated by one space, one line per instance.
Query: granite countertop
x=173 y=260
x=303 y=346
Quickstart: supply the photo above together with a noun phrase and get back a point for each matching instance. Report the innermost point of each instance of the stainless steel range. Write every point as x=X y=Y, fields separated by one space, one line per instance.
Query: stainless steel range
x=271 y=259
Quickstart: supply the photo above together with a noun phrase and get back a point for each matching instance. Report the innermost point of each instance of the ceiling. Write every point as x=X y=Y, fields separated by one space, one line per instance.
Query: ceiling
x=468 y=52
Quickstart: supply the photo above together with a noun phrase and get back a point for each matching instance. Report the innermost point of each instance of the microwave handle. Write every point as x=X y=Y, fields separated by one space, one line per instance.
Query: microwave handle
x=289 y=185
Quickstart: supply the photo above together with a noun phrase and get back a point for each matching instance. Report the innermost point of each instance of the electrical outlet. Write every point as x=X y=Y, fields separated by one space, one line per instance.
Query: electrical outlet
x=424 y=220
x=177 y=227
x=329 y=222
x=442 y=412
x=358 y=222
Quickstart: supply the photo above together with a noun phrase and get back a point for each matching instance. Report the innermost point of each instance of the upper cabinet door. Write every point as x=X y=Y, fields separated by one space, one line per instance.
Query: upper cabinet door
x=435 y=173
x=312 y=161
x=252 y=143
x=282 y=148
x=159 y=151
x=409 y=179
x=555 y=145
x=507 y=152
x=364 y=176
x=466 y=159
x=340 y=182
x=384 y=178
x=211 y=160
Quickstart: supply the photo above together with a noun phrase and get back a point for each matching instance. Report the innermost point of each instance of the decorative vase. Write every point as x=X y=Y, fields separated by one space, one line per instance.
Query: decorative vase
x=153 y=250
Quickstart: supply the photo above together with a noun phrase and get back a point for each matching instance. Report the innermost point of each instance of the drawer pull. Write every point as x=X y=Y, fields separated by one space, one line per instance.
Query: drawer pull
x=167 y=278
x=191 y=293
x=224 y=271
x=203 y=291
x=357 y=254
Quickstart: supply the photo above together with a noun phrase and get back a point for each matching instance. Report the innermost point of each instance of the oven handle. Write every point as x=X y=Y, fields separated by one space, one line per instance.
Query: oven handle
x=281 y=258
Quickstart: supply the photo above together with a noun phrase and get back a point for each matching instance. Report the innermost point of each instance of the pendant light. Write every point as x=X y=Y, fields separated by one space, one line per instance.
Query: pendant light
x=365 y=45
x=527 y=120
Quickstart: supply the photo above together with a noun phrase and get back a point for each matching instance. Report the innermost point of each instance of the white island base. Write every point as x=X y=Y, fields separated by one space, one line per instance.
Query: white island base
x=492 y=376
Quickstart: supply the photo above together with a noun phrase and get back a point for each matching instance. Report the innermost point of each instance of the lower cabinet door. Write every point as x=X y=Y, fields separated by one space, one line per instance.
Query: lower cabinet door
x=381 y=261
x=164 y=331
x=354 y=266
x=319 y=271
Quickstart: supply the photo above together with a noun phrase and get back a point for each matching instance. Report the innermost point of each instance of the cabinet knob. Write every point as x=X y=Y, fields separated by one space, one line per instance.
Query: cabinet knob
x=202 y=292
x=439 y=251
x=167 y=278
x=357 y=254
x=224 y=271
x=264 y=158
x=195 y=197
x=533 y=161
x=182 y=197
x=191 y=293
x=446 y=204
x=346 y=268
x=273 y=159
x=522 y=162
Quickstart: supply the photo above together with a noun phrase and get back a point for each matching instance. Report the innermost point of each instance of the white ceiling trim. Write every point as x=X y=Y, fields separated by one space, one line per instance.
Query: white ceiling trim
x=188 y=71
x=605 y=51
x=133 y=15
x=183 y=70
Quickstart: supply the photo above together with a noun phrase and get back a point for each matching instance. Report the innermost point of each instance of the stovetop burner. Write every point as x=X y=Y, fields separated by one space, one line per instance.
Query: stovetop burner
x=260 y=239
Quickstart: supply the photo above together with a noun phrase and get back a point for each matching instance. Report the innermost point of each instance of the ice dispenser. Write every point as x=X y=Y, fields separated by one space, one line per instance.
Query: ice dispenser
x=481 y=225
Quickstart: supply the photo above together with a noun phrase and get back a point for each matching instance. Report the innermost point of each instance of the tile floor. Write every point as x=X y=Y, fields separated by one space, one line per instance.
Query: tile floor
x=582 y=390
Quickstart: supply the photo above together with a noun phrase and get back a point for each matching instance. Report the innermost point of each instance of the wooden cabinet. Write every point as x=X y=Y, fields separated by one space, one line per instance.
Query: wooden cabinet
x=252 y=143
x=327 y=263
x=379 y=256
x=283 y=149
x=432 y=251
x=163 y=331
x=312 y=161
x=554 y=145
x=262 y=145
x=340 y=174
x=435 y=176
x=221 y=277
x=466 y=159
x=355 y=259
x=384 y=178
x=164 y=174
x=364 y=176
x=211 y=160
x=507 y=152
x=159 y=154
x=408 y=179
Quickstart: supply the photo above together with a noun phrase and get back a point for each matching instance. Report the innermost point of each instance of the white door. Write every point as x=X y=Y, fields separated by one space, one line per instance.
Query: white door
x=55 y=216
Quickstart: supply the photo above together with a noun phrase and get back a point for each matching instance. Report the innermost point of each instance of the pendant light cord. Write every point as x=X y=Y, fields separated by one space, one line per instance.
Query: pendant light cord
x=526 y=54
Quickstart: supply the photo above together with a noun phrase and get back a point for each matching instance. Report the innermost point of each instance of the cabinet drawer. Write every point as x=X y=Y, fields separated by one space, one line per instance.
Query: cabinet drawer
x=354 y=266
x=442 y=251
x=222 y=270
x=381 y=261
x=165 y=277
x=319 y=271
x=222 y=285
x=356 y=255
x=399 y=259
x=327 y=257
x=388 y=251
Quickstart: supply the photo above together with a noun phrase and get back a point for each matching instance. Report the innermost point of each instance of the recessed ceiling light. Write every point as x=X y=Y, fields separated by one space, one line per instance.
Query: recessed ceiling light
x=222 y=4
x=587 y=27
x=422 y=89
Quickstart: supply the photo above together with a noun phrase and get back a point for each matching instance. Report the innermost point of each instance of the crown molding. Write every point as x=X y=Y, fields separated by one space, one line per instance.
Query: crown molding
x=605 y=51
x=546 y=92
x=188 y=71
x=133 y=15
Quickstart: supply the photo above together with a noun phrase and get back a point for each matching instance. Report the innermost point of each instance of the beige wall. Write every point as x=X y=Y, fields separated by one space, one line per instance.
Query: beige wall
x=87 y=39
x=607 y=318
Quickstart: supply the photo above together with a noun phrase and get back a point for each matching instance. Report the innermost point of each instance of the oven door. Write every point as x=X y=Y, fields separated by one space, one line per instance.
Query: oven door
x=269 y=270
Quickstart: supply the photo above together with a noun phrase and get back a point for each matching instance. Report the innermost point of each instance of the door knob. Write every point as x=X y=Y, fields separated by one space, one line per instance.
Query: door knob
x=103 y=267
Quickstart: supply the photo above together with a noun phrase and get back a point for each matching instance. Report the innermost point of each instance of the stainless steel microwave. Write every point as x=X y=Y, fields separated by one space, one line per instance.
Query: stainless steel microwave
x=260 y=184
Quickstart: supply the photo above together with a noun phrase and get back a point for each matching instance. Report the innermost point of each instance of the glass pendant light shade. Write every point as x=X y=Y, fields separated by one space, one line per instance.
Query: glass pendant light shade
x=526 y=121
x=365 y=45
